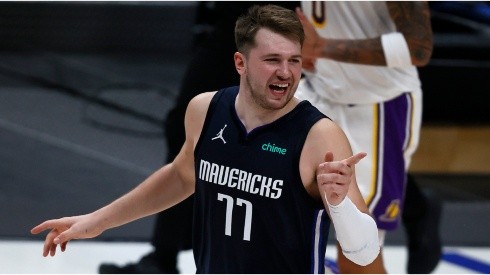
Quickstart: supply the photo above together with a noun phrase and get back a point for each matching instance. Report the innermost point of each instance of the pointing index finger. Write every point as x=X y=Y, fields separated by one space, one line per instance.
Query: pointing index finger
x=353 y=160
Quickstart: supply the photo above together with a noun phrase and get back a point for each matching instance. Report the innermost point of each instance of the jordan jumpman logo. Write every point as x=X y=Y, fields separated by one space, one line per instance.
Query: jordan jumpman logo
x=220 y=135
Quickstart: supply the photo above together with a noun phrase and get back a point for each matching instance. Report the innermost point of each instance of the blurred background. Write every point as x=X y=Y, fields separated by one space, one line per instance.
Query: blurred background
x=85 y=88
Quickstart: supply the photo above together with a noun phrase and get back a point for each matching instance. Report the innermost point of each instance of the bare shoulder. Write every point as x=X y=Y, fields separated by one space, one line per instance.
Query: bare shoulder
x=198 y=106
x=325 y=136
x=200 y=102
x=196 y=113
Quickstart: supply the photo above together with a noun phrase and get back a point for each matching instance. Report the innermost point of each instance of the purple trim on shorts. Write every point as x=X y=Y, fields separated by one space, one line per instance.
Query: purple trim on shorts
x=388 y=209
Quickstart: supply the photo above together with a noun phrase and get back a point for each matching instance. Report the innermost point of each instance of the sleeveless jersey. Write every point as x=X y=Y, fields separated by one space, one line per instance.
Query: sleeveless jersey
x=252 y=213
x=347 y=83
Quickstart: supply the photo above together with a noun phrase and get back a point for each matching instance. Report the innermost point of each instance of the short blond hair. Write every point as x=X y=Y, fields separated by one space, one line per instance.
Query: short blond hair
x=275 y=18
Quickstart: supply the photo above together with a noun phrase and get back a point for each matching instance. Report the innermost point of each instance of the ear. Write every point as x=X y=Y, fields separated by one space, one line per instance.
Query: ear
x=240 y=63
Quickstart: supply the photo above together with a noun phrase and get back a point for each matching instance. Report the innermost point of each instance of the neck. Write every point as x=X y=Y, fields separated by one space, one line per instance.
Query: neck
x=252 y=115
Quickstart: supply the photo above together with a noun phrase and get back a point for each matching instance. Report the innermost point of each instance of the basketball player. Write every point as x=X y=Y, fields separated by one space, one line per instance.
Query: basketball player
x=172 y=232
x=261 y=198
x=360 y=63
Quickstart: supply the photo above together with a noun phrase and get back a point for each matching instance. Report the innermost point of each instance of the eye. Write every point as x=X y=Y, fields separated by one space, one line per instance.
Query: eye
x=272 y=60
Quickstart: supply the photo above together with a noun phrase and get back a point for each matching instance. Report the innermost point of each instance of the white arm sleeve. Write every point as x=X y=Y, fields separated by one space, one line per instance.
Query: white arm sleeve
x=396 y=50
x=356 y=232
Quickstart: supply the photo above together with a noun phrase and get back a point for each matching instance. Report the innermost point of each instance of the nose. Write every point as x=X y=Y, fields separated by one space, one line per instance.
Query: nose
x=284 y=70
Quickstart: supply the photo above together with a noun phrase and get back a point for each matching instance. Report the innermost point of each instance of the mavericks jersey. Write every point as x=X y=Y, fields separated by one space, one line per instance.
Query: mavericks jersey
x=252 y=213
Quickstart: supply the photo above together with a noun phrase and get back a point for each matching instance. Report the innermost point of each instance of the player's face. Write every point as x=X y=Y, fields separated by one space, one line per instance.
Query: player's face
x=273 y=69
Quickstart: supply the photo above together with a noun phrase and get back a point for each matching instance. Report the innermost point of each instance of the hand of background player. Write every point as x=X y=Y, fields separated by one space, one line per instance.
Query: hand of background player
x=335 y=177
x=313 y=44
x=64 y=230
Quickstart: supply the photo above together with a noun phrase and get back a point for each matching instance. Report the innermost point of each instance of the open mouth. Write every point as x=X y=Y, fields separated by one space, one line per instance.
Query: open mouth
x=279 y=88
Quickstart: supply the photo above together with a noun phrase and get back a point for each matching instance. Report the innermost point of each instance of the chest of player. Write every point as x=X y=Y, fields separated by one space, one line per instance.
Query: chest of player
x=266 y=156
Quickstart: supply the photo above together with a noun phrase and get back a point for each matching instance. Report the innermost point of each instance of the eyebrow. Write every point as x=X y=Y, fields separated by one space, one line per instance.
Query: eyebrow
x=278 y=55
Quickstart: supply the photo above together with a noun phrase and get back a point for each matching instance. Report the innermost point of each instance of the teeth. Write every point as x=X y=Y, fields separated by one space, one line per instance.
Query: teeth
x=281 y=85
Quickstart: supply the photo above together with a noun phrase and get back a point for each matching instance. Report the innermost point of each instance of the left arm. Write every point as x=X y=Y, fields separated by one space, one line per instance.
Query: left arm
x=334 y=182
x=327 y=166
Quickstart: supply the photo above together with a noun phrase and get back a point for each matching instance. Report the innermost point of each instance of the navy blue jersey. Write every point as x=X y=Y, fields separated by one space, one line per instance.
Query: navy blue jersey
x=252 y=213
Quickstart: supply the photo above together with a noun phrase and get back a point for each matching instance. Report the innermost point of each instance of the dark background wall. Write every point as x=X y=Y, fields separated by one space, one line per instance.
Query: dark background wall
x=85 y=86
x=455 y=82
x=97 y=26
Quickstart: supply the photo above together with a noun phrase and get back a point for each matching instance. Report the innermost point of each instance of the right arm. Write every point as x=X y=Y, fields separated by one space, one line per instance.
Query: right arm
x=164 y=188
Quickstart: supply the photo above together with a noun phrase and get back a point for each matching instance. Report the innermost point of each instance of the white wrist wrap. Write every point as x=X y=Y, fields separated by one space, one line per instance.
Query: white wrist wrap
x=396 y=50
x=356 y=232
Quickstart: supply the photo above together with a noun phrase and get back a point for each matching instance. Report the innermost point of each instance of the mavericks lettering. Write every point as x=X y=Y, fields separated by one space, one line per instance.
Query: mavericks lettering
x=239 y=179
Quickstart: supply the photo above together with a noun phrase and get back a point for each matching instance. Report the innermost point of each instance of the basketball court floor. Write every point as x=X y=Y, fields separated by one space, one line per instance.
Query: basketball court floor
x=84 y=257
x=77 y=131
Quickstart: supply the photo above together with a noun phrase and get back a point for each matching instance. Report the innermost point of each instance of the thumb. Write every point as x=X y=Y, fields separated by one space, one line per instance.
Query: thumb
x=328 y=156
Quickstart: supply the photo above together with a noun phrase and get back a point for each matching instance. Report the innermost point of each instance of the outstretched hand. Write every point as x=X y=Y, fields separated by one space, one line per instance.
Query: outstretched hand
x=334 y=177
x=64 y=230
